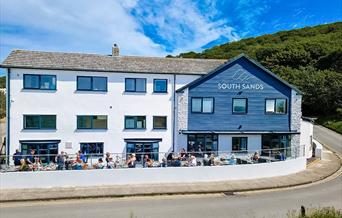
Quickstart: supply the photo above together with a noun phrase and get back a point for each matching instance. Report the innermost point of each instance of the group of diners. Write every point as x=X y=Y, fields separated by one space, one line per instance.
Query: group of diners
x=79 y=161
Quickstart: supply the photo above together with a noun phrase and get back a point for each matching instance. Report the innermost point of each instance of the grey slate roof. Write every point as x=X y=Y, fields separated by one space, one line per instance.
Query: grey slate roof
x=93 y=62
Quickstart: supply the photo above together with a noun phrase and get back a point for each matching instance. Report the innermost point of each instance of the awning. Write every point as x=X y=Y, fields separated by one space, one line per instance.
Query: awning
x=236 y=132
x=40 y=141
x=143 y=140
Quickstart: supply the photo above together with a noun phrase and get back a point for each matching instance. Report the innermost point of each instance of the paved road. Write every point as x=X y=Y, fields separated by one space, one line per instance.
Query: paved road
x=269 y=204
x=328 y=137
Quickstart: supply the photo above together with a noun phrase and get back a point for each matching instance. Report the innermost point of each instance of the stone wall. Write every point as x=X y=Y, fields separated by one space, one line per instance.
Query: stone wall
x=296 y=117
x=182 y=110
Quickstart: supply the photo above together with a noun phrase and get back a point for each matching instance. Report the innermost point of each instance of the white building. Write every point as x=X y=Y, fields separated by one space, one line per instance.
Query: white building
x=117 y=104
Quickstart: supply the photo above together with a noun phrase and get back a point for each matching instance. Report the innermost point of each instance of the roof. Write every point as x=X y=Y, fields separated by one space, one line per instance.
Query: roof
x=230 y=61
x=105 y=63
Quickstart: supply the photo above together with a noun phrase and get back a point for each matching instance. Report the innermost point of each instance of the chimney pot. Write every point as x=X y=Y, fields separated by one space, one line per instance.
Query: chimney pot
x=115 y=50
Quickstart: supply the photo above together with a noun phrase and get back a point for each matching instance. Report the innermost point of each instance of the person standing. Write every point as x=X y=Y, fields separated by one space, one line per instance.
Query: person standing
x=17 y=156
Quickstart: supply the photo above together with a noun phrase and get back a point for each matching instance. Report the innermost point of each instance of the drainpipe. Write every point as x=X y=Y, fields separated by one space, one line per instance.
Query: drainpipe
x=174 y=112
x=8 y=104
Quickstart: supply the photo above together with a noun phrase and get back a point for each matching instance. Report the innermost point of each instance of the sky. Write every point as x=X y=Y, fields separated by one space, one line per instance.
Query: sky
x=150 y=27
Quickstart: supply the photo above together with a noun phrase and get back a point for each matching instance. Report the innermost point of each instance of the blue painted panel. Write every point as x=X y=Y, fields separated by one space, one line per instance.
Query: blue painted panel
x=241 y=79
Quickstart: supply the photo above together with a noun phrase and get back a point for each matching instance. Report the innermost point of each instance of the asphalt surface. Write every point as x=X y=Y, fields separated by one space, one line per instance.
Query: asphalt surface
x=255 y=204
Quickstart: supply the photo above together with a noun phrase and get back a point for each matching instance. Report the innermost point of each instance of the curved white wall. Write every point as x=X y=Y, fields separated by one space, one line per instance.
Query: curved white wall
x=49 y=179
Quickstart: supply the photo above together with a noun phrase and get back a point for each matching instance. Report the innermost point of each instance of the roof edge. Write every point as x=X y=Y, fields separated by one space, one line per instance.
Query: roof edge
x=235 y=59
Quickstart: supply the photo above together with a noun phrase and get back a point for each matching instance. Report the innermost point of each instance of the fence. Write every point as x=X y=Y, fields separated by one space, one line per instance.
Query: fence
x=51 y=162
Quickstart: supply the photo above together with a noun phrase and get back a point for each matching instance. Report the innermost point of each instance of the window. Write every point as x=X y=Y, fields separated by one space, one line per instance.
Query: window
x=91 y=83
x=93 y=149
x=160 y=85
x=143 y=148
x=46 y=149
x=239 y=144
x=202 y=143
x=44 y=82
x=239 y=105
x=135 y=85
x=202 y=105
x=135 y=122
x=92 y=122
x=272 y=144
x=39 y=121
x=159 y=122
x=276 y=106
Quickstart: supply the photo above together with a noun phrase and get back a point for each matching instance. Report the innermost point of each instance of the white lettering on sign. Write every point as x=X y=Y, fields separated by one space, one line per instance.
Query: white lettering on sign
x=243 y=86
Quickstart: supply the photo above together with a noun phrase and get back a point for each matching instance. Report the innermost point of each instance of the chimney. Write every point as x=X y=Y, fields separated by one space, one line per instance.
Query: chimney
x=115 y=50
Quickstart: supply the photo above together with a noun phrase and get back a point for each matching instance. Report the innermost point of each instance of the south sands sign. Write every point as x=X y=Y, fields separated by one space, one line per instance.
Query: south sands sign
x=240 y=86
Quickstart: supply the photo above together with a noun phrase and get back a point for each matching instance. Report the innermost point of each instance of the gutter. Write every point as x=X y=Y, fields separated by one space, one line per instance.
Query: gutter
x=8 y=106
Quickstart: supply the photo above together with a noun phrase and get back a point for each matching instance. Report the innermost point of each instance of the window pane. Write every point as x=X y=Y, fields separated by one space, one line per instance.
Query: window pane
x=196 y=105
x=31 y=81
x=141 y=122
x=48 y=121
x=31 y=121
x=96 y=149
x=83 y=83
x=208 y=105
x=130 y=84
x=270 y=106
x=140 y=85
x=160 y=85
x=281 y=106
x=159 y=122
x=47 y=82
x=83 y=122
x=99 y=122
x=100 y=83
x=239 y=105
x=129 y=123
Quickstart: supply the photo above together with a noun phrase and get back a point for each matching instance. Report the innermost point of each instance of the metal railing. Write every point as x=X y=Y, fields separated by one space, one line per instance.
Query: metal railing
x=40 y=162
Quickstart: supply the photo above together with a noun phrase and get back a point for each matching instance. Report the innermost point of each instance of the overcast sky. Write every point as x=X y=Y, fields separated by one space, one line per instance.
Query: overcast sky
x=150 y=27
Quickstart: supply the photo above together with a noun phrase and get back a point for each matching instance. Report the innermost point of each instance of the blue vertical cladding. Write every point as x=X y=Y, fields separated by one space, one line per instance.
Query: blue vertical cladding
x=241 y=71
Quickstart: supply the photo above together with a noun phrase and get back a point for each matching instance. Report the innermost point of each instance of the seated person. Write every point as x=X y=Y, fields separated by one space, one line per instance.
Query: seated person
x=212 y=160
x=206 y=160
x=131 y=162
x=256 y=157
x=192 y=161
x=182 y=154
x=110 y=163
x=37 y=165
x=99 y=164
x=78 y=163
x=232 y=160
x=23 y=165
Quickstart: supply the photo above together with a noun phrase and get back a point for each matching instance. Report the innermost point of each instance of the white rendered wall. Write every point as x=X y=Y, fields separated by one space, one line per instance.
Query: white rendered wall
x=67 y=103
x=306 y=136
x=47 y=179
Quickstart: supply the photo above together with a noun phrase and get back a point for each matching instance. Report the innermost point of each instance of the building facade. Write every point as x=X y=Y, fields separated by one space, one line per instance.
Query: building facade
x=98 y=104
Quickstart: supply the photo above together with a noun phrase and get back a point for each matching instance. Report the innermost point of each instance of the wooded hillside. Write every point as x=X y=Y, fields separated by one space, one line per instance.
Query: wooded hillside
x=309 y=58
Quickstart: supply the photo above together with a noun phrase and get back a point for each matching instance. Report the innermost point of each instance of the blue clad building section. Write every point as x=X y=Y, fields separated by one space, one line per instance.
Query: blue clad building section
x=240 y=79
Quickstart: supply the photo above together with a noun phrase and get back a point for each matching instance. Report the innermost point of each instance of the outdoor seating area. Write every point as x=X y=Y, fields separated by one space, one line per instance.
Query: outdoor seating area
x=81 y=161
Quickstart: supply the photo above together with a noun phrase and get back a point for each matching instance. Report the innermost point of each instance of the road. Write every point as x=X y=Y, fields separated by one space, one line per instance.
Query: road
x=328 y=137
x=255 y=204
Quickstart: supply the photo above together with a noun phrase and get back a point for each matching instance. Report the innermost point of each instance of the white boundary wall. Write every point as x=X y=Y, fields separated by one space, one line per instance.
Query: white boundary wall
x=48 y=179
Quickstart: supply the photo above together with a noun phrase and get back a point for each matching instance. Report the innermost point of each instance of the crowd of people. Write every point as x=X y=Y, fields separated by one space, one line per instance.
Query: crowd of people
x=79 y=161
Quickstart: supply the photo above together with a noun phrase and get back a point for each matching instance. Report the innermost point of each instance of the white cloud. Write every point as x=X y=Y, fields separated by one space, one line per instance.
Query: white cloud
x=81 y=25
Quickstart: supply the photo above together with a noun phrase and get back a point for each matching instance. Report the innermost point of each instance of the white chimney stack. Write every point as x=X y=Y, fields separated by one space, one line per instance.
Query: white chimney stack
x=115 y=50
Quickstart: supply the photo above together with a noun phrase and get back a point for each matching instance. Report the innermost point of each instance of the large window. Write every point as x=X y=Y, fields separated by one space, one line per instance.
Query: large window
x=159 y=122
x=95 y=149
x=44 y=82
x=275 y=143
x=199 y=143
x=239 y=105
x=39 y=121
x=47 y=150
x=92 y=122
x=160 y=85
x=140 y=149
x=275 y=106
x=91 y=83
x=135 y=122
x=135 y=85
x=239 y=144
x=202 y=105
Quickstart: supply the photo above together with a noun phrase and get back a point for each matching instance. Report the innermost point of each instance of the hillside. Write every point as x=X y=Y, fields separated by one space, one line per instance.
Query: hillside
x=309 y=58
